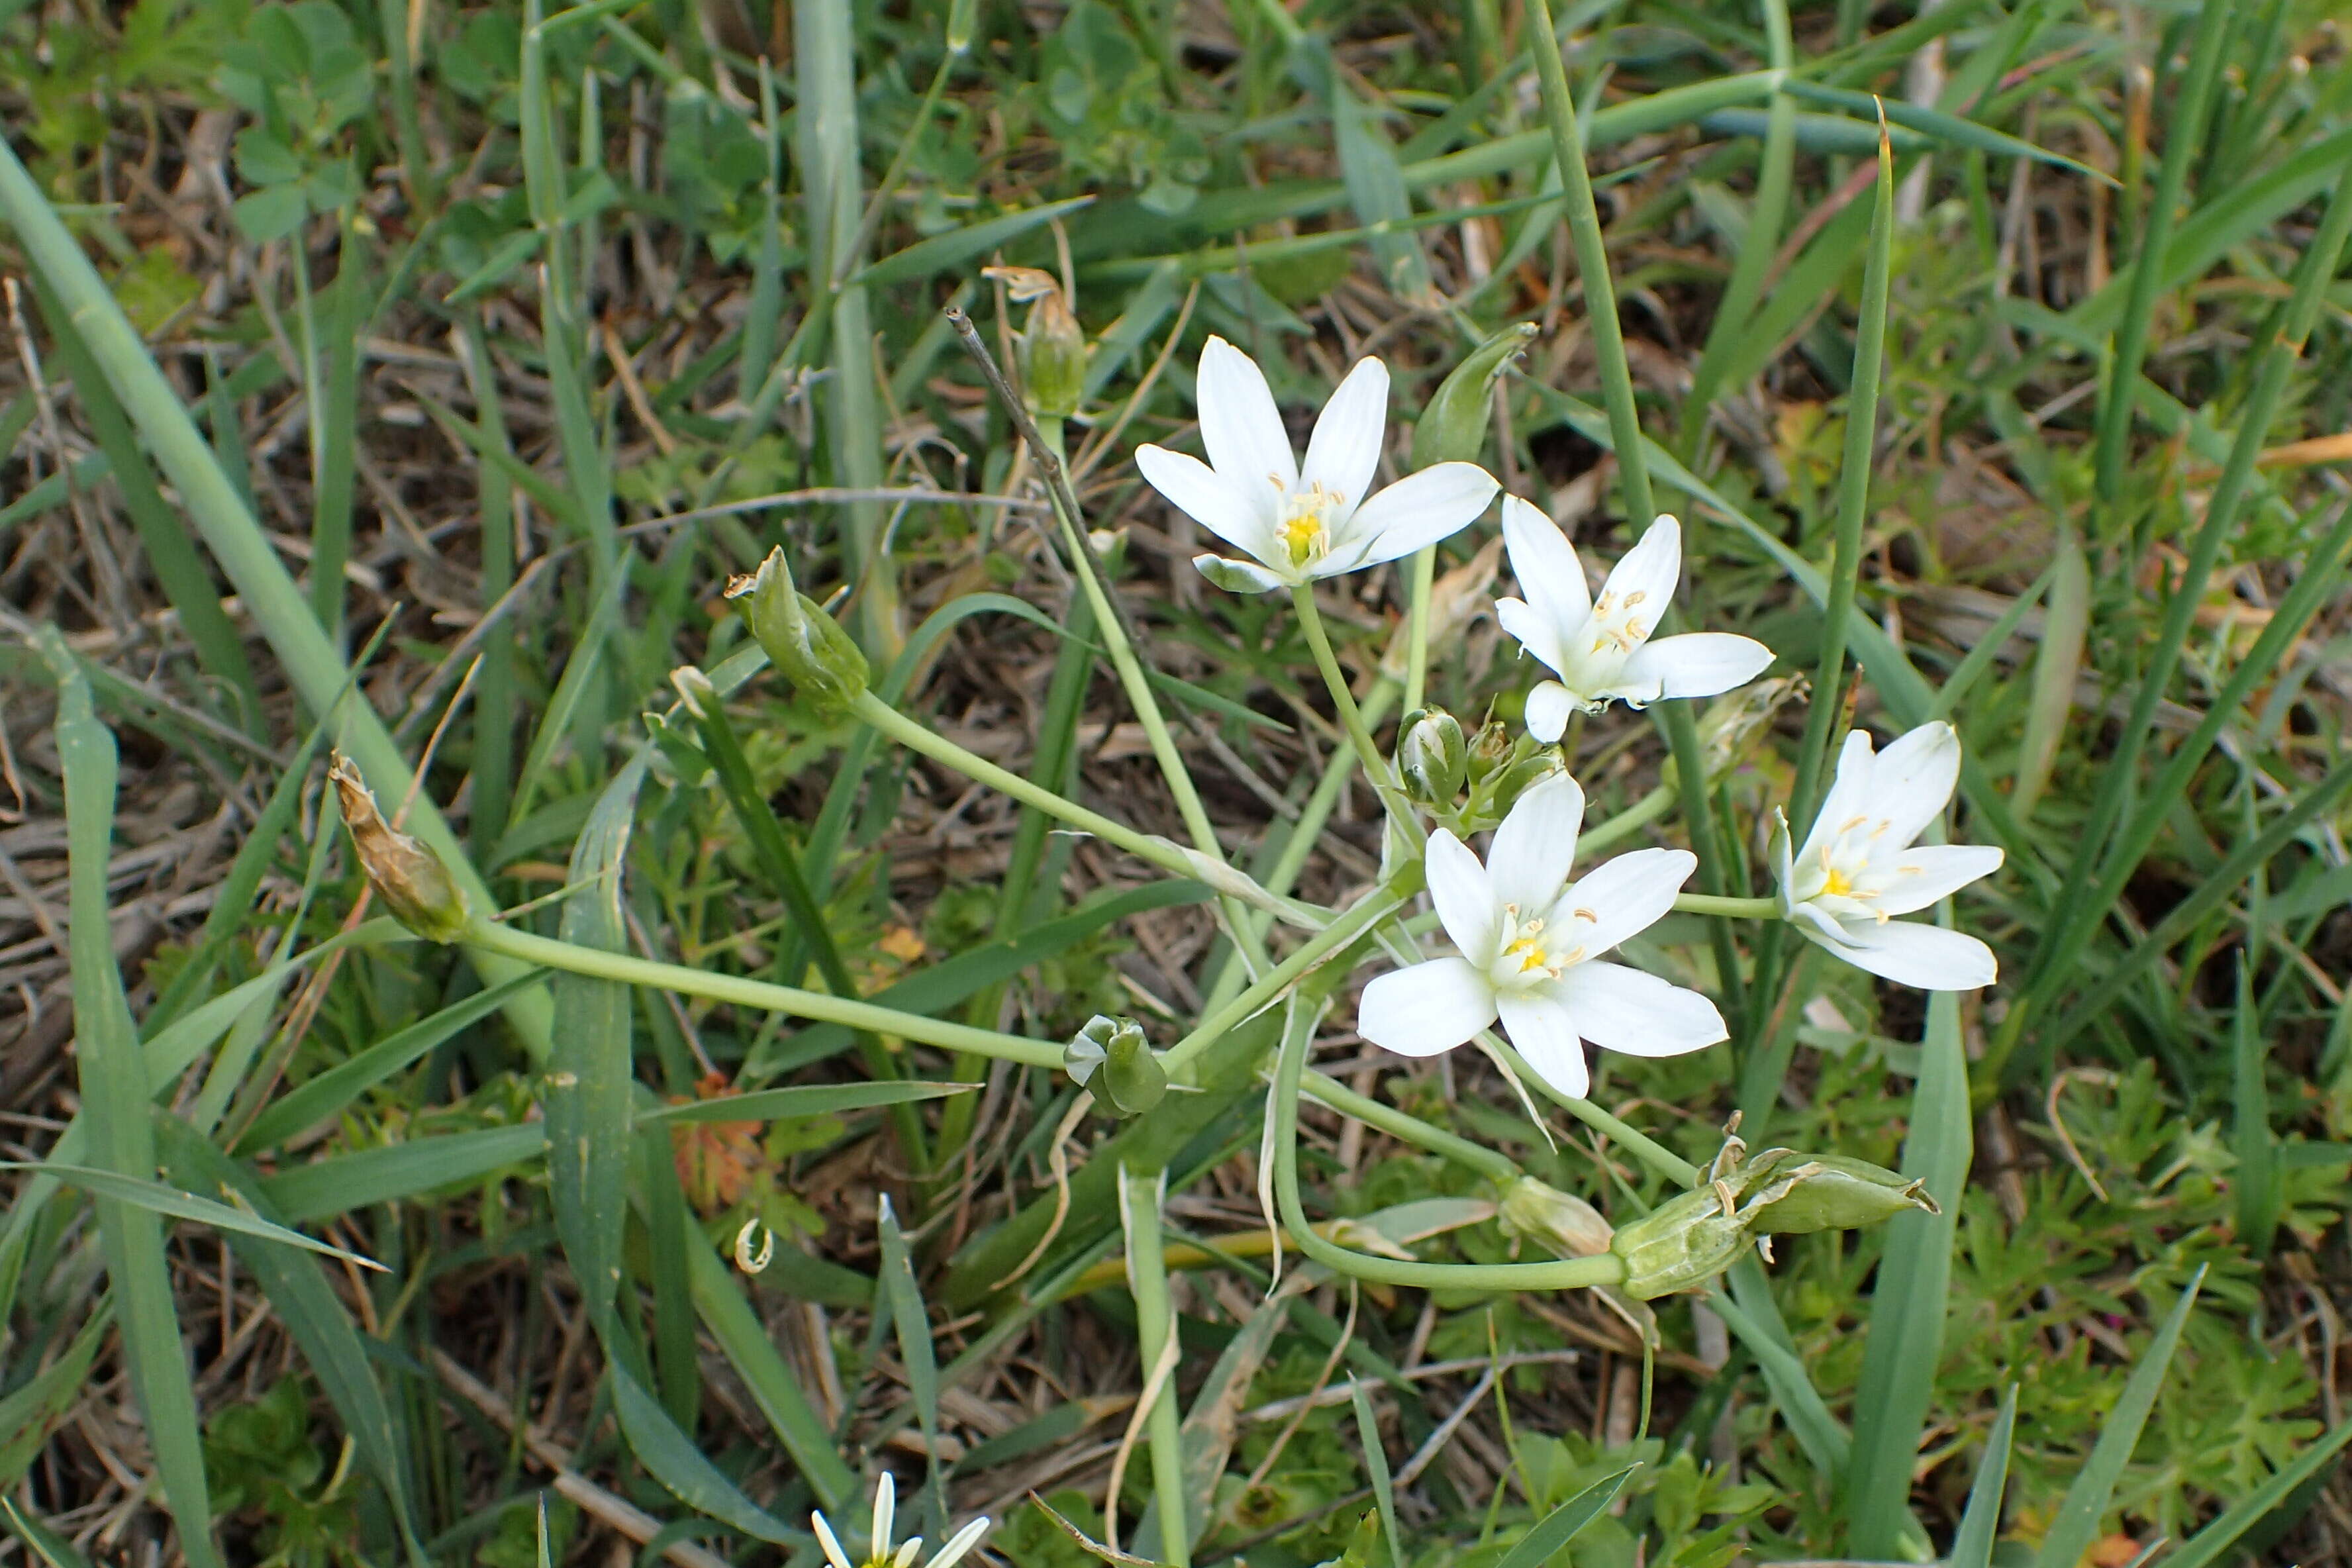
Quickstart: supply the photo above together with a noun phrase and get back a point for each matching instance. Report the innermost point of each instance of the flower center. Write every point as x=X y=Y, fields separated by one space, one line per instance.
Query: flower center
x=1525 y=959
x=1837 y=884
x=1305 y=529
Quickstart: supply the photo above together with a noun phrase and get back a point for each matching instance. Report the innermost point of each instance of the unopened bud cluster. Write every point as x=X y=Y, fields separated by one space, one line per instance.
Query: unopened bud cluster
x=1468 y=784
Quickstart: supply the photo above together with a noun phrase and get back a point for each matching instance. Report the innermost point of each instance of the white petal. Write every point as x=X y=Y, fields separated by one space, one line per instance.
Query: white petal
x=1464 y=895
x=1240 y=427
x=1926 y=872
x=1850 y=795
x=1238 y=576
x=960 y=1543
x=885 y=1501
x=834 y=1555
x=1617 y=899
x=1536 y=846
x=1912 y=953
x=1695 y=664
x=1544 y=563
x=1346 y=446
x=1420 y=508
x=1549 y=706
x=1913 y=781
x=1653 y=568
x=1208 y=498
x=1541 y=1026
x=1636 y=1014
x=1534 y=632
x=1426 y=1009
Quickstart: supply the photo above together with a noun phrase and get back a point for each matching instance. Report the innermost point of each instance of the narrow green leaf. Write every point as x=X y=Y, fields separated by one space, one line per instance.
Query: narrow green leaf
x=1818 y=1432
x=2233 y=1523
x=2077 y=1521
x=113 y=1081
x=400 y=1171
x=326 y=1095
x=52 y=1549
x=743 y=1339
x=34 y=1408
x=1560 y=1526
x=587 y=1091
x=801 y=1100
x=1376 y=1464
x=1908 y=1307
x=1972 y=1547
x=316 y=1317
x=911 y=1323
x=2057 y=665
x=959 y=247
x=673 y=1460
x=1949 y=128
x=155 y=1198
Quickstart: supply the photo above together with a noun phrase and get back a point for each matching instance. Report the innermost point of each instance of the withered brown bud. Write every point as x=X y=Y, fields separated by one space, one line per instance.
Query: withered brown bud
x=408 y=876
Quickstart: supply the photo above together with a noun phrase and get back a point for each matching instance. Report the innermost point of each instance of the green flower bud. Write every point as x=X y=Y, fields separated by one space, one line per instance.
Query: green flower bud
x=1110 y=1057
x=1559 y=1221
x=1490 y=749
x=1733 y=722
x=1053 y=345
x=406 y=874
x=1433 y=758
x=1453 y=428
x=1790 y=1193
x=805 y=644
x=1680 y=1245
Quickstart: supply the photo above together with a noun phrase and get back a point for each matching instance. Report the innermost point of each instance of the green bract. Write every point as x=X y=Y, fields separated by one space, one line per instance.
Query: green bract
x=1453 y=428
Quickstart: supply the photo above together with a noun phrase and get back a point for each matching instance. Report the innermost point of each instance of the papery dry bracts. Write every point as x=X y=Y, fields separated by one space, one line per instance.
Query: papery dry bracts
x=406 y=874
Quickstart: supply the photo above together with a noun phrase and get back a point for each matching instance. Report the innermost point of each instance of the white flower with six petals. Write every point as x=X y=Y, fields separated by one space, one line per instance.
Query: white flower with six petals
x=1300 y=524
x=1859 y=866
x=1530 y=944
x=1601 y=648
x=885 y=1496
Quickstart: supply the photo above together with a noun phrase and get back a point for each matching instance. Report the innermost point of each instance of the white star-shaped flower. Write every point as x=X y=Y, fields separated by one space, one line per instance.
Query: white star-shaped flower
x=885 y=1497
x=1601 y=648
x=1859 y=866
x=1298 y=524
x=1530 y=945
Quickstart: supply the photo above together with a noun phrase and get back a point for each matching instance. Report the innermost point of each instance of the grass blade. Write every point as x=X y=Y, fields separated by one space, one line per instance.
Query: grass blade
x=673 y=1460
x=315 y=1317
x=1376 y=1464
x=2057 y=664
x=2077 y=1521
x=2240 y=1517
x=400 y=1171
x=743 y=1339
x=326 y=1095
x=1562 y=1524
x=219 y=646
x=237 y=542
x=1907 y=1310
x=1972 y=1546
x=113 y=1081
x=590 y=1082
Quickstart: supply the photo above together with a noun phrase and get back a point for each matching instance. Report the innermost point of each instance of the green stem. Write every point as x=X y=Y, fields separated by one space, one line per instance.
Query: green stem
x=1571 y=1274
x=505 y=941
x=1375 y=908
x=1641 y=1145
x=1495 y=1166
x=1351 y=718
x=1155 y=1327
x=1591 y=262
x=782 y=866
x=1729 y=909
x=1631 y=820
x=1167 y=854
x=1417 y=656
